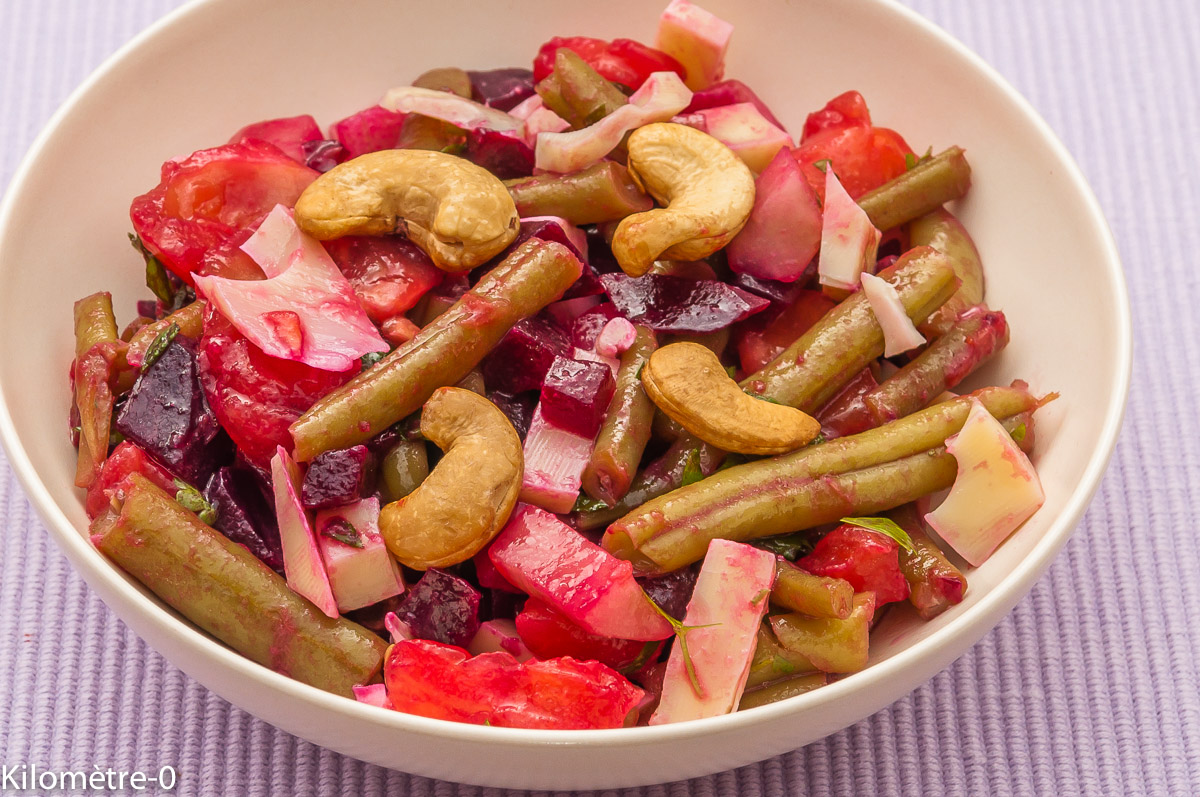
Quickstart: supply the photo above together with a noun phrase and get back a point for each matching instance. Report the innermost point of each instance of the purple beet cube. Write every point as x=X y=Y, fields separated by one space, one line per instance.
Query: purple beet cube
x=587 y=327
x=523 y=356
x=338 y=477
x=148 y=308
x=502 y=155
x=503 y=89
x=167 y=415
x=575 y=395
x=545 y=228
x=243 y=514
x=671 y=592
x=441 y=607
x=678 y=304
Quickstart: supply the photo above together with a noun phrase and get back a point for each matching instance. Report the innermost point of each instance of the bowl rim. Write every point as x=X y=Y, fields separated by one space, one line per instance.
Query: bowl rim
x=939 y=644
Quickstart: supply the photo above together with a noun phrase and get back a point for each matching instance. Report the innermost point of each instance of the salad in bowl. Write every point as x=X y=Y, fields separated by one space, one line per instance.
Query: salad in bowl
x=577 y=396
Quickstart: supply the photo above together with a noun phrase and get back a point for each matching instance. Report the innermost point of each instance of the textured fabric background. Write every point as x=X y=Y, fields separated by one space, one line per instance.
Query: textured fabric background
x=1088 y=687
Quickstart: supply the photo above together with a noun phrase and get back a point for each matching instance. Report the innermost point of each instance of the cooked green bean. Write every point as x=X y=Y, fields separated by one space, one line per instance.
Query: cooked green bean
x=782 y=690
x=404 y=467
x=816 y=596
x=446 y=78
x=831 y=645
x=94 y=322
x=772 y=661
x=189 y=319
x=576 y=92
x=603 y=192
x=941 y=230
x=934 y=583
x=922 y=189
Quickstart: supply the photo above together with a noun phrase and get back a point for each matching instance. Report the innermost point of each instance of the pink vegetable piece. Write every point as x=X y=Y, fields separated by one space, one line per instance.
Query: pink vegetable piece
x=369 y=130
x=575 y=236
x=554 y=463
x=725 y=613
x=499 y=636
x=848 y=239
x=615 y=338
x=538 y=119
x=899 y=332
x=553 y=562
x=743 y=129
x=996 y=489
x=458 y=111
x=397 y=629
x=695 y=38
x=661 y=97
x=783 y=233
x=301 y=554
x=730 y=92
x=305 y=311
x=361 y=574
x=566 y=311
x=372 y=695
x=288 y=134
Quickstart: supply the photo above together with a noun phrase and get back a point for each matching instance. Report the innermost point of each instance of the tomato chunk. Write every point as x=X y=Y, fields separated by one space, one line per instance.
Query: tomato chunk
x=389 y=274
x=844 y=110
x=870 y=561
x=758 y=344
x=548 y=633
x=445 y=682
x=125 y=459
x=863 y=157
x=256 y=397
x=208 y=198
x=622 y=61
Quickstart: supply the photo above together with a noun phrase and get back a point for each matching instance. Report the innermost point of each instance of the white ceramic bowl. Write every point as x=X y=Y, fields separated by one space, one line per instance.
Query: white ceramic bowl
x=214 y=66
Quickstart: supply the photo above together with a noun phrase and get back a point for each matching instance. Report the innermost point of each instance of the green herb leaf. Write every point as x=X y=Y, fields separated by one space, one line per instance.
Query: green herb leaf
x=641 y=368
x=732 y=371
x=585 y=503
x=192 y=500
x=910 y=161
x=691 y=469
x=1018 y=434
x=343 y=530
x=157 y=346
x=761 y=397
x=789 y=546
x=823 y=164
x=156 y=275
x=681 y=632
x=371 y=358
x=884 y=526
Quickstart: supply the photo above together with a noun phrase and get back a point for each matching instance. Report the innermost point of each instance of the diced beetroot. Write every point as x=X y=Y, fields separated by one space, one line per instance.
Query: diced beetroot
x=846 y=413
x=783 y=233
x=757 y=347
x=244 y=515
x=678 y=304
x=301 y=555
x=504 y=155
x=361 y=570
x=575 y=395
x=389 y=274
x=503 y=89
x=565 y=311
x=671 y=592
x=592 y=356
x=549 y=633
x=730 y=92
x=125 y=459
x=845 y=110
x=369 y=130
x=210 y=196
x=554 y=463
x=551 y=561
x=167 y=415
x=488 y=576
x=867 y=559
x=622 y=60
x=446 y=682
x=289 y=134
x=337 y=477
x=553 y=228
x=495 y=636
x=441 y=607
x=524 y=355
x=777 y=293
x=255 y=396
x=517 y=408
x=616 y=337
x=587 y=327
x=323 y=154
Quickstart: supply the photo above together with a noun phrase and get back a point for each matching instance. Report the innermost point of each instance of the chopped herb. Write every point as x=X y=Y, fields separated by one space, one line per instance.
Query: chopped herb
x=761 y=397
x=691 y=469
x=585 y=503
x=156 y=275
x=1018 y=434
x=789 y=546
x=157 y=346
x=910 y=161
x=371 y=358
x=192 y=500
x=884 y=526
x=343 y=530
x=816 y=441
x=732 y=371
x=681 y=632
x=757 y=599
x=641 y=368
x=823 y=164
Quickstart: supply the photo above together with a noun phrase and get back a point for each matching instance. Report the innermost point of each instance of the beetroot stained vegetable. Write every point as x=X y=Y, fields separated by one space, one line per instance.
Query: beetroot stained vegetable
x=524 y=355
x=369 y=130
x=502 y=89
x=575 y=395
x=441 y=607
x=678 y=304
x=338 y=477
x=244 y=515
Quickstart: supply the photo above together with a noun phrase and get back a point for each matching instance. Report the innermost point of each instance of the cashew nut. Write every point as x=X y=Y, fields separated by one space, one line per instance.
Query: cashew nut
x=707 y=190
x=690 y=385
x=467 y=498
x=459 y=213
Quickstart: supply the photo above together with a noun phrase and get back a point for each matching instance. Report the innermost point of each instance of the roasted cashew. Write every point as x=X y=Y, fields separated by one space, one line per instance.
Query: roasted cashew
x=707 y=190
x=689 y=384
x=459 y=213
x=467 y=498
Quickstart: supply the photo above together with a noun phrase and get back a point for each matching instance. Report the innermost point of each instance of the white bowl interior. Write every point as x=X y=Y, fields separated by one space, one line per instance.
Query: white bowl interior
x=215 y=66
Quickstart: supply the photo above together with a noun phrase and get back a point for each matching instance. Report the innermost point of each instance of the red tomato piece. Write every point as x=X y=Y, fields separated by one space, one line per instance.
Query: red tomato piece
x=445 y=682
x=125 y=459
x=548 y=633
x=288 y=134
x=207 y=198
x=869 y=560
x=389 y=274
x=256 y=397
x=758 y=345
x=863 y=157
x=622 y=61
x=844 y=110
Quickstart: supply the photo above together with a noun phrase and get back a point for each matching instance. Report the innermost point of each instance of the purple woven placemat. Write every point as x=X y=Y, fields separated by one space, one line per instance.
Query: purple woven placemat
x=1089 y=687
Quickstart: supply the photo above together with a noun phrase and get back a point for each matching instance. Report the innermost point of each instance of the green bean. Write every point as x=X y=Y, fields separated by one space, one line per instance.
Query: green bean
x=97 y=352
x=782 y=690
x=942 y=231
x=426 y=132
x=94 y=322
x=446 y=78
x=922 y=189
x=934 y=583
x=831 y=645
x=603 y=192
x=189 y=319
x=576 y=92
x=534 y=275
x=816 y=596
x=869 y=472
x=772 y=661
x=626 y=429
x=404 y=467
x=225 y=590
